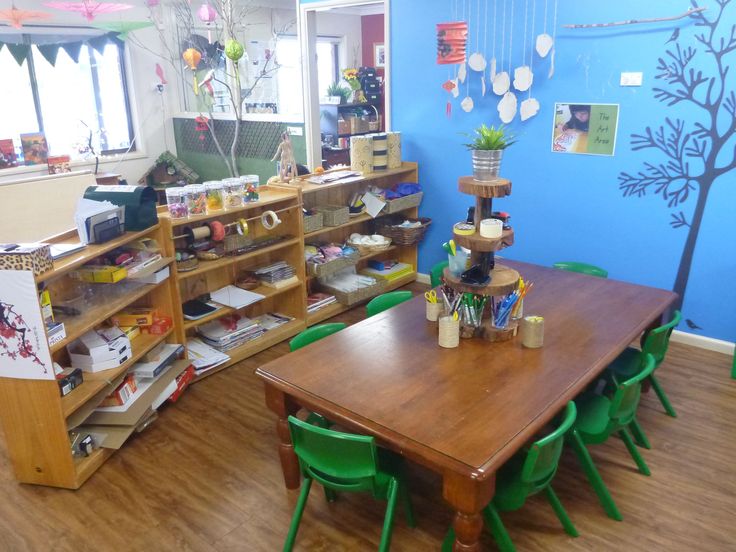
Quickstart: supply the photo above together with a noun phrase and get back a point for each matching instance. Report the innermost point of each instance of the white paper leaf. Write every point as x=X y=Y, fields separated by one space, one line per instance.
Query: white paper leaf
x=477 y=62
x=467 y=104
x=507 y=107
x=552 y=65
x=493 y=68
x=456 y=90
x=483 y=85
x=544 y=44
x=523 y=78
x=529 y=108
x=501 y=83
x=462 y=73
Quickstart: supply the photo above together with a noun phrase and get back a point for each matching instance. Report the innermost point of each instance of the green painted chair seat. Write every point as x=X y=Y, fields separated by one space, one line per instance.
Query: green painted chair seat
x=435 y=276
x=315 y=333
x=627 y=364
x=582 y=268
x=386 y=301
x=593 y=418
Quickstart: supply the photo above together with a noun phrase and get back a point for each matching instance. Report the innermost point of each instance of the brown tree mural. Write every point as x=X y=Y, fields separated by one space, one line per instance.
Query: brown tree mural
x=695 y=153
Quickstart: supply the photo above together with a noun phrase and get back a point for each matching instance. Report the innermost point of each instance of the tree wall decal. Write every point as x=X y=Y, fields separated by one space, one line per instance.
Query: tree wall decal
x=694 y=153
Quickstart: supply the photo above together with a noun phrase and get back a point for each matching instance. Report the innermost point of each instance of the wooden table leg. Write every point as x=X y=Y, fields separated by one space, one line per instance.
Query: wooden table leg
x=468 y=496
x=280 y=403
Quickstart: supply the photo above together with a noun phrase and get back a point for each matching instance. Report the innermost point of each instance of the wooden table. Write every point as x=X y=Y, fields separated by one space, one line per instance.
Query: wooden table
x=461 y=412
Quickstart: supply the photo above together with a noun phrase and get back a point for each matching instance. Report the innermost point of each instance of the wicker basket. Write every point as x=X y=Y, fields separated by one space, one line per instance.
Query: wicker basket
x=336 y=265
x=370 y=249
x=402 y=203
x=404 y=236
x=334 y=215
x=314 y=222
x=352 y=297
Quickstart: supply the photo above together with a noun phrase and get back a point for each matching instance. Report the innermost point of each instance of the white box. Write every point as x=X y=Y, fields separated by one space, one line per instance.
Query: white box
x=100 y=350
x=156 y=277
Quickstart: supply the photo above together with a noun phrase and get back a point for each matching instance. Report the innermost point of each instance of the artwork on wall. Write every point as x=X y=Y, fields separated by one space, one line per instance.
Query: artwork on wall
x=23 y=349
x=379 y=55
x=7 y=154
x=585 y=128
x=35 y=149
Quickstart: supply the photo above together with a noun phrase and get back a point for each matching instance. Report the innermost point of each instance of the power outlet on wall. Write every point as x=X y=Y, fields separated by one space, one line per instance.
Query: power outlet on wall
x=632 y=78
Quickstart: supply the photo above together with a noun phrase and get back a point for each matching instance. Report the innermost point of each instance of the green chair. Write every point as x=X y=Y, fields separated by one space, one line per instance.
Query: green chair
x=655 y=342
x=582 y=268
x=343 y=462
x=385 y=301
x=435 y=276
x=526 y=474
x=315 y=333
x=599 y=417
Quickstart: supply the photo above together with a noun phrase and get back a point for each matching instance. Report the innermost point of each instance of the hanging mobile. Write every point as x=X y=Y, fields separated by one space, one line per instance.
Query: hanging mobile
x=523 y=76
x=501 y=81
x=508 y=104
x=530 y=107
x=554 y=37
x=544 y=41
x=477 y=60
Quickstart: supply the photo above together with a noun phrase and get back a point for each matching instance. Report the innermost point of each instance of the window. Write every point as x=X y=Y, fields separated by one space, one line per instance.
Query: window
x=68 y=100
x=289 y=74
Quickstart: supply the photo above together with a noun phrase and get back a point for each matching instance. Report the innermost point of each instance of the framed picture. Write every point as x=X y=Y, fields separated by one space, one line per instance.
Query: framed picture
x=585 y=128
x=35 y=150
x=379 y=55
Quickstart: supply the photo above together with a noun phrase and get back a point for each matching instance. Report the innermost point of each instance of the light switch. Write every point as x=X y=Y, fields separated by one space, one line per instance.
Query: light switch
x=631 y=79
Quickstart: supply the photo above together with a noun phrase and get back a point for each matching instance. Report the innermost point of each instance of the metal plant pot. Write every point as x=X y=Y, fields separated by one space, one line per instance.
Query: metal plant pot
x=486 y=164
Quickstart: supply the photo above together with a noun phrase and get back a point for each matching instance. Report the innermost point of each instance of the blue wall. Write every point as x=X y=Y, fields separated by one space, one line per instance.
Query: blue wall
x=569 y=207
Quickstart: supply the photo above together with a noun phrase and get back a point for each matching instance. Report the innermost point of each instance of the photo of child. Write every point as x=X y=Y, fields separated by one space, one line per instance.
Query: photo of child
x=585 y=128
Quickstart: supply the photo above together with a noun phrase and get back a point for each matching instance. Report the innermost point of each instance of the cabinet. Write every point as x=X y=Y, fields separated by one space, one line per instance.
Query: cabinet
x=211 y=275
x=35 y=417
x=338 y=122
x=313 y=195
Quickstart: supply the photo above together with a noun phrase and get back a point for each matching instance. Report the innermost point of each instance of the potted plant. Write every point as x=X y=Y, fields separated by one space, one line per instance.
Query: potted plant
x=340 y=91
x=487 y=147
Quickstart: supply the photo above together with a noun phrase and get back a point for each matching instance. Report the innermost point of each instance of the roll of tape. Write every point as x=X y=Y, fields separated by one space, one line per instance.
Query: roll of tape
x=194 y=234
x=270 y=220
x=464 y=229
x=491 y=228
x=242 y=227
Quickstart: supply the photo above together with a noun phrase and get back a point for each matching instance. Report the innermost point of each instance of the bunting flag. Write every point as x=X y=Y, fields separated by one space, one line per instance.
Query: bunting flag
x=50 y=52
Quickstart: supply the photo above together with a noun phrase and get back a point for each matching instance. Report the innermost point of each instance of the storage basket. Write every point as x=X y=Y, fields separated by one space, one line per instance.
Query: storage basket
x=352 y=297
x=333 y=215
x=401 y=235
x=336 y=265
x=402 y=203
x=370 y=249
x=314 y=222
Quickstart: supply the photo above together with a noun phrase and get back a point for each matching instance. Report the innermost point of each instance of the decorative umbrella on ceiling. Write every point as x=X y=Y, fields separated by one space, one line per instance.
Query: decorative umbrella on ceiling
x=88 y=8
x=16 y=17
x=122 y=27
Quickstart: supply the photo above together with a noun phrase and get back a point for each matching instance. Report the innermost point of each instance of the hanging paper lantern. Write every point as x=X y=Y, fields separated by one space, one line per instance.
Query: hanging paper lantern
x=192 y=57
x=452 y=39
x=234 y=49
x=206 y=13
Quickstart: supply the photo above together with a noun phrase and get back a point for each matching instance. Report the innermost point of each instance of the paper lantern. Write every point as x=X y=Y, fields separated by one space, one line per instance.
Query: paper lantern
x=452 y=39
x=192 y=57
x=206 y=13
x=234 y=50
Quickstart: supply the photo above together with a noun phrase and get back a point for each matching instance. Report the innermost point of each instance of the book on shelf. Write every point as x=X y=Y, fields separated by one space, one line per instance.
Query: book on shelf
x=395 y=272
x=203 y=356
x=275 y=272
x=232 y=331
x=318 y=300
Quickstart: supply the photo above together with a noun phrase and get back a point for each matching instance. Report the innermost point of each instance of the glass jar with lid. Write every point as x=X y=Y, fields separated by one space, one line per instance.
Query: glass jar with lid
x=234 y=190
x=196 y=199
x=215 y=200
x=176 y=201
x=250 y=185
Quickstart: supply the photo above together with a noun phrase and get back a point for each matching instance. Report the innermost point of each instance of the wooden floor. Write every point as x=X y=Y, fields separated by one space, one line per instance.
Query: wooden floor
x=206 y=477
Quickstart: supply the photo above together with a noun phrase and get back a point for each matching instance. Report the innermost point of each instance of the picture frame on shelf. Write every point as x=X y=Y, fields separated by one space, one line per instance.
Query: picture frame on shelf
x=379 y=54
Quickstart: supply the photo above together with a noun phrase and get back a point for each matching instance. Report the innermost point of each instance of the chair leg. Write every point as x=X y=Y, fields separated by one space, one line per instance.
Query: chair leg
x=493 y=520
x=297 y=517
x=449 y=540
x=406 y=500
x=560 y=511
x=634 y=452
x=663 y=398
x=389 y=517
x=640 y=438
x=594 y=477
x=330 y=495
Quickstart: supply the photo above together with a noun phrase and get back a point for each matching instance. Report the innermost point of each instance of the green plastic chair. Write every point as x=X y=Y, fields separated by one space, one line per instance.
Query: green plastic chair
x=435 y=276
x=526 y=474
x=582 y=268
x=343 y=462
x=655 y=342
x=315 y=333
x=599 y=417
x=385 y=301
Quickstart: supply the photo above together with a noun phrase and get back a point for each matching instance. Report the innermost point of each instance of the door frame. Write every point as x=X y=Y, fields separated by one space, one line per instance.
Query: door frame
x=307 y=31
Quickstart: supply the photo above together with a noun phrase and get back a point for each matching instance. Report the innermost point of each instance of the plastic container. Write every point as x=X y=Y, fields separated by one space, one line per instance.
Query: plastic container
x=458 y=262
x=234 y=191
x=215 y=195
x=176 y=201
x=250 y=185
x=196 y=199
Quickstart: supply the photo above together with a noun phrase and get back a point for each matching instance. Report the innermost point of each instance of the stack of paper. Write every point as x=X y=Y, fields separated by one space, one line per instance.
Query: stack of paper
x=275 y=272
x=272 y=320
x=319 y=300
x=203 y=356
x=335 y=176
x=390 y=274
x=230 y=332
x=88 y=209
x=235 y=297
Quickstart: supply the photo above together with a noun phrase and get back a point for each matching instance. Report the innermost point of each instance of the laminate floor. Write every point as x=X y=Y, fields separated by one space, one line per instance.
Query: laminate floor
x=206 y=477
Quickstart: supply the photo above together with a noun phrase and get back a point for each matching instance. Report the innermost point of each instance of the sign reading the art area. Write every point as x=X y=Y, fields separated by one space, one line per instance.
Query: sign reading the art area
x=585 y=128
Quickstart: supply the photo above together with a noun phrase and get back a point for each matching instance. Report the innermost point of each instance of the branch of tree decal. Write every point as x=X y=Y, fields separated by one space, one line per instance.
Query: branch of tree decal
x=679 y=220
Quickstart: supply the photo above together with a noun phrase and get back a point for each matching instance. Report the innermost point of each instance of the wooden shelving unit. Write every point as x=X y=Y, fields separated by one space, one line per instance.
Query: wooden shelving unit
x=214 y=274
x=339 y=193
x=35 y=417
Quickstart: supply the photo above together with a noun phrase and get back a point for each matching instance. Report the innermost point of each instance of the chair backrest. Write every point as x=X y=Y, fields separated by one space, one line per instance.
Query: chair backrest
x=385 y=301
x=435 y=276
x=657 y=340
x=544 y=455
x=315 y=333
x=340 y=461
x=582 y=268
x=625 y=399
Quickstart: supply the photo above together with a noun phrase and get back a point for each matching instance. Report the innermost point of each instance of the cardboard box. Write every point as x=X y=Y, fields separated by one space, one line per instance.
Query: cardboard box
x=99 y=274
x=55 y=332
x=161 y=325
x=182 y=382
x=99 y=350
x=35 y=257
x=122 y=393
x=68 y=379
x=152 y=368
x=134 y=317
x=131 y=331
x=156 y=277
